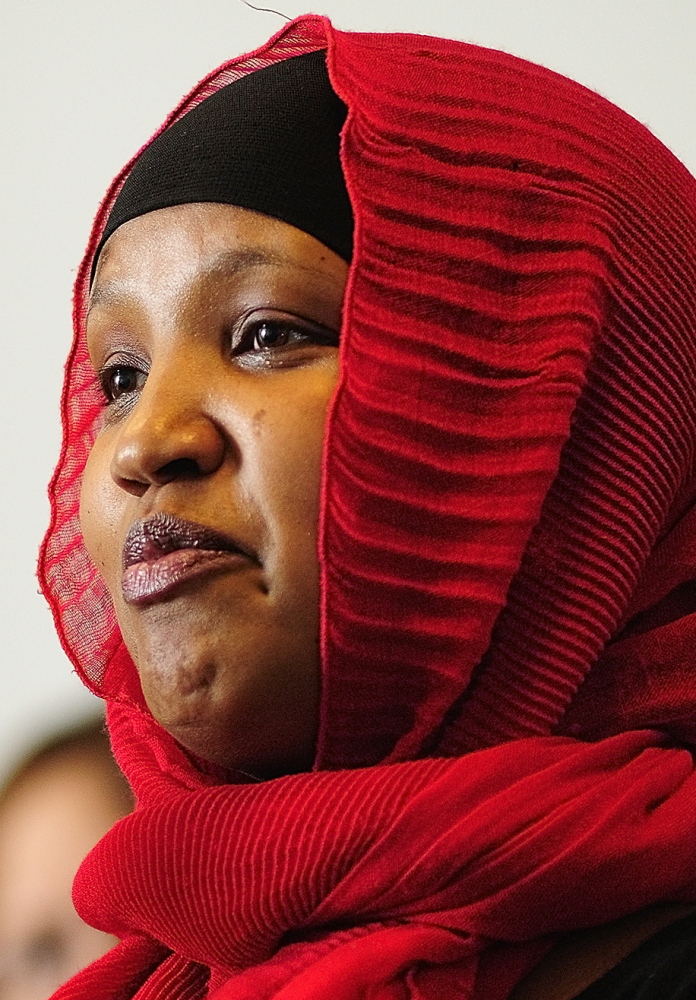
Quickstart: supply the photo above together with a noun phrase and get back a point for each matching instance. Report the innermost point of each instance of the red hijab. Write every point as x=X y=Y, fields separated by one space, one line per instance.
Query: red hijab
x=508 y=553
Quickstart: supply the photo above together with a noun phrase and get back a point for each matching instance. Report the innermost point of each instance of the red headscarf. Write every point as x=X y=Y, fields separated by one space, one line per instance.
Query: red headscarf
x=507 y=549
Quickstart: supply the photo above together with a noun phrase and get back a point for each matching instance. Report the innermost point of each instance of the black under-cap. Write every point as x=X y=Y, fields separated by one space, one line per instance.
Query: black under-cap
x=267 y=142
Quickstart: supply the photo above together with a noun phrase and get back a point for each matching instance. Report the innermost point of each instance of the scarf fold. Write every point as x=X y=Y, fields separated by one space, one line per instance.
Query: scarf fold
x=402 y=874
x=507 y=559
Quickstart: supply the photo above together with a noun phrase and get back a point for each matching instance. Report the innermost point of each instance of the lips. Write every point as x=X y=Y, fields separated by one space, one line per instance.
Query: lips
x=162 y=552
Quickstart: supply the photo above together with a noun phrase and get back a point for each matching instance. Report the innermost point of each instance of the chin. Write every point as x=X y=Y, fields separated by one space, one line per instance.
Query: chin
x=244 y=721
x=240 y=753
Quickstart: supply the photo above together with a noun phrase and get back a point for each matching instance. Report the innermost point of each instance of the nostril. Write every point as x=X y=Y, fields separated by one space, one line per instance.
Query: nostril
x=166 y=440
x=179 y=468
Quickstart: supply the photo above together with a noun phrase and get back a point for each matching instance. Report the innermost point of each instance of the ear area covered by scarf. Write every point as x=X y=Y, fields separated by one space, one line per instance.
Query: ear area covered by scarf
x=516 y=425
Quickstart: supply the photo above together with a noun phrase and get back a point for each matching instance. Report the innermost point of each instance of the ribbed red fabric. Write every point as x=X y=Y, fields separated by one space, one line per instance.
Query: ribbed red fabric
x=508 y=556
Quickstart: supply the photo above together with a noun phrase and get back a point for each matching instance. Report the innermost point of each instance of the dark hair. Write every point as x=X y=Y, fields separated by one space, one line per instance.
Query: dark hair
x=85 y=740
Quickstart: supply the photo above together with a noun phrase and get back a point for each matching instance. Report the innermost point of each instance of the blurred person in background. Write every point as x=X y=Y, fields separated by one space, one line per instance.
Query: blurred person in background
x=56 y=805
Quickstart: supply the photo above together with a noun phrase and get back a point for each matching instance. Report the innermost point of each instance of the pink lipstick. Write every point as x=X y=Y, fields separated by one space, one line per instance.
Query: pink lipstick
x=163 y=551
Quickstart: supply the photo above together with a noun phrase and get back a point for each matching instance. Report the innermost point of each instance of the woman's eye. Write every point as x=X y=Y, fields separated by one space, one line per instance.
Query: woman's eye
x=262 y=336
x=118 y=381
x=269 y=335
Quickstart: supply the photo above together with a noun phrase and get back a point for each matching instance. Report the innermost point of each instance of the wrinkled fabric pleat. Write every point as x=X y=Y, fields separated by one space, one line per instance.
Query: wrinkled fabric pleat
x=351 y=884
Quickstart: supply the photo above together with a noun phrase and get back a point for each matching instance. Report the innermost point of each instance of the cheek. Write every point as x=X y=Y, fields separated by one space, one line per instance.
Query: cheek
x=285 y=476
x=100 y=512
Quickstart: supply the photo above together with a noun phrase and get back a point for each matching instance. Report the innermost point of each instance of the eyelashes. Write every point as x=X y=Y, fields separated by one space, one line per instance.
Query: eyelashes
x=117 y=381
x=121 y=377
x=268 y=341
x=271 y=338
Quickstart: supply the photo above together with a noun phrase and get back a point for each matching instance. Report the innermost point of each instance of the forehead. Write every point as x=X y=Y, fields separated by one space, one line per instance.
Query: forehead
x=195 y=237
x=192 y=258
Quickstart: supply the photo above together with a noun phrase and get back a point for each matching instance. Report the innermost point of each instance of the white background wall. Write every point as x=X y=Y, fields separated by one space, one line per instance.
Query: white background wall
x=83 y=83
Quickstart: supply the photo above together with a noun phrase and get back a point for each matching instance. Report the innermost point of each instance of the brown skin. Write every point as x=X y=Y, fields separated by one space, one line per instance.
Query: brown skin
x=211 y=426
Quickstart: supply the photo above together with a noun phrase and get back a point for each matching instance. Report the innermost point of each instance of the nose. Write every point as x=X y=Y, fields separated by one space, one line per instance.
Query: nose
x=168 y=435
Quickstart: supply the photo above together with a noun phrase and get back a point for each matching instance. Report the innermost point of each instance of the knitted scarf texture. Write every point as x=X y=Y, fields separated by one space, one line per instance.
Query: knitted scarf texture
x=508 y=559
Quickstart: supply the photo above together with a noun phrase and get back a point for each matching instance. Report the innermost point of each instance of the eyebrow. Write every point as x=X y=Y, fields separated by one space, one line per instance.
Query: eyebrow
x=224 y=263
x=245 y=257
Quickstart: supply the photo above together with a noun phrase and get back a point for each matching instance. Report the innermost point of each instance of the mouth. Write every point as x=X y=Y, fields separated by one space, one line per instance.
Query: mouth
x=162 y=552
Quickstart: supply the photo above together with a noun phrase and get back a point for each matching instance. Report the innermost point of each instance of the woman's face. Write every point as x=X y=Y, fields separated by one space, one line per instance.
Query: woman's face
x=214 y=334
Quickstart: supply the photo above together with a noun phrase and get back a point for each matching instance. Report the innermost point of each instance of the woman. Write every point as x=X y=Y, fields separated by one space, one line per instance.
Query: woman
x=414 y=765
x=54 y=808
